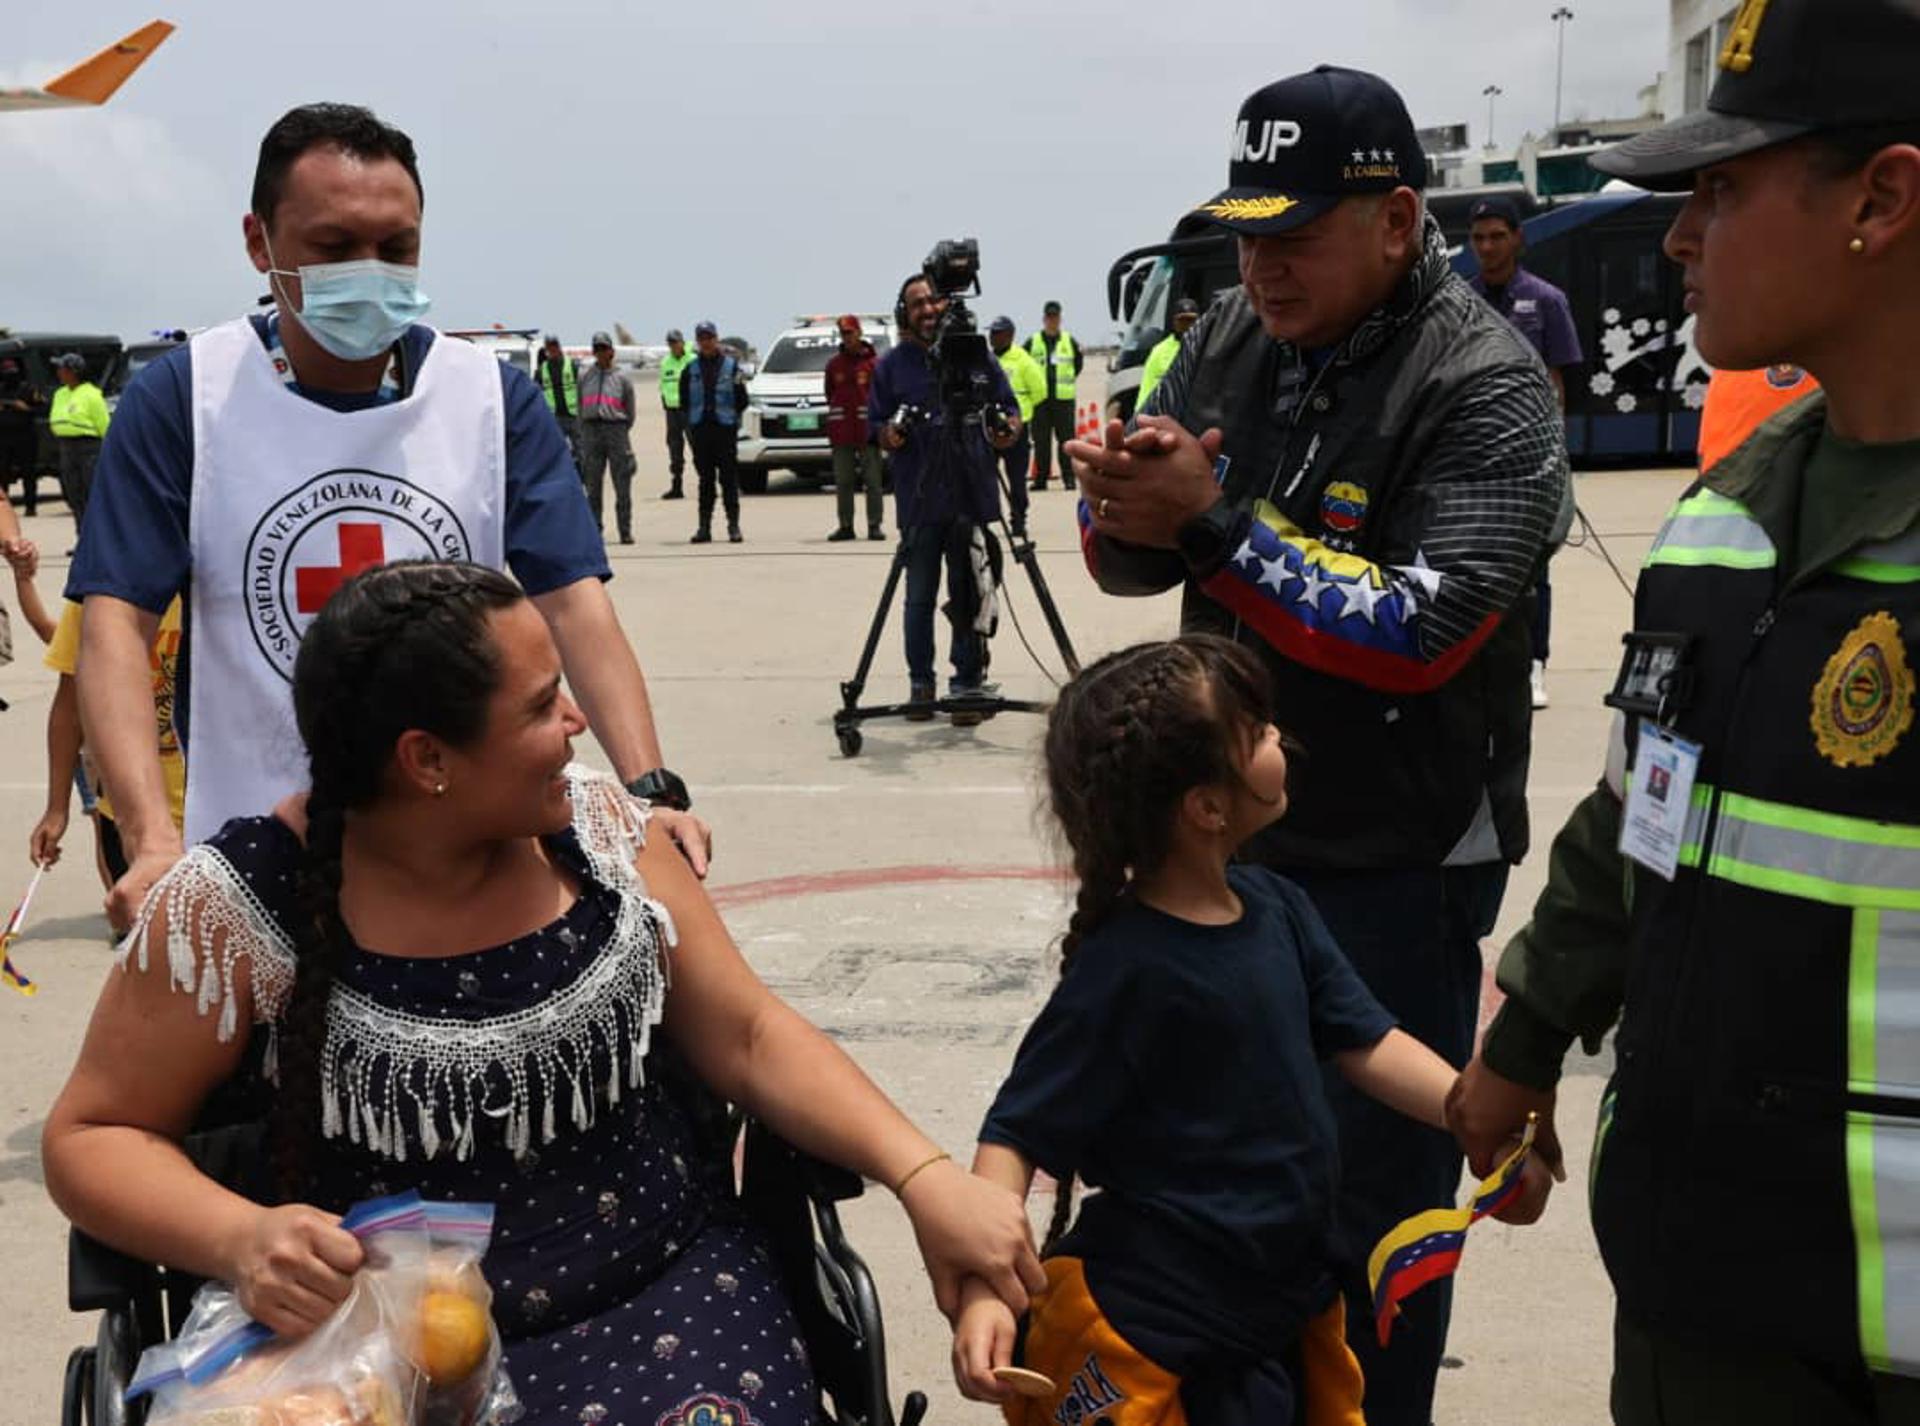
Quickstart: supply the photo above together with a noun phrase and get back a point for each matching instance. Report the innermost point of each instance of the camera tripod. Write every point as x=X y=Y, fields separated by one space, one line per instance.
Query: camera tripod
x=851 y=713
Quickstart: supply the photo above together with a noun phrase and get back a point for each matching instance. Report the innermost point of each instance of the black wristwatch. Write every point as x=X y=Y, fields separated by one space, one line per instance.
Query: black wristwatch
x=663 y=789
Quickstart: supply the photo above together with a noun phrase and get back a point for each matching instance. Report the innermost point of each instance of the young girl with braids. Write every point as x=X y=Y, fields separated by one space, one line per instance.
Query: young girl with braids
x=1176 y=1070
x=456 y=970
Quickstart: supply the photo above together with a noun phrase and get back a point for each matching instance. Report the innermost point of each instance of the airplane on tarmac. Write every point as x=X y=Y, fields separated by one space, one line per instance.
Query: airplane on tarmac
x=92 y=81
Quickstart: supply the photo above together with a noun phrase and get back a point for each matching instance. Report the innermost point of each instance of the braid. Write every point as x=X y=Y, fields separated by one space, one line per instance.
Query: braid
x=397 y=647
x=321 y=950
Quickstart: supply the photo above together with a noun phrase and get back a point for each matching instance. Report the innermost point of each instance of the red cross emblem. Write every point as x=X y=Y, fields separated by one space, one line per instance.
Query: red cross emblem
x=361 y=547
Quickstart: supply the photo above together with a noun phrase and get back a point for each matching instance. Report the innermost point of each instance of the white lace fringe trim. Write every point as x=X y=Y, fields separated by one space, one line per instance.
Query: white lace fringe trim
x=402 y=1084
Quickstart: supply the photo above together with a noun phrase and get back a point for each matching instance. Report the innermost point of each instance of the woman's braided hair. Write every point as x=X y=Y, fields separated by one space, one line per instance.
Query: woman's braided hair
x=1128 y=738
x=402 y=646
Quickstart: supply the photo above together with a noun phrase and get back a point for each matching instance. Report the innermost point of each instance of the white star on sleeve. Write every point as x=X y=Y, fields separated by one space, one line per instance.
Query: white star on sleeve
x=1360 y=596
x=1359 y=155
x=1245 y=555
x=1376 y=155
x=1312 y=586
x=1421 y=574
x=1275 y=574
x=1388 y=153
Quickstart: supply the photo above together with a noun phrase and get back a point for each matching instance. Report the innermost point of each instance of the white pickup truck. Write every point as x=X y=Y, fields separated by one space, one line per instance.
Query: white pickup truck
x=785 y=424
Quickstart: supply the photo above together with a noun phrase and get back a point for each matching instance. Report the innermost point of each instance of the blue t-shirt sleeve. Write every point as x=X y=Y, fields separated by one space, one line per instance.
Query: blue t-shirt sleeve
x=1342 y=1011
x=135 y=544
x=1558 y=334
x=1075 y=1066
x=551 y=537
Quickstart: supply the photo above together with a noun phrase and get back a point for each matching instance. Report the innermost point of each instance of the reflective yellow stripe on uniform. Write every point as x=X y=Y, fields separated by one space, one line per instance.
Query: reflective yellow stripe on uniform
x=1708 y=528
x=1817 y=856
x=1883 y=1150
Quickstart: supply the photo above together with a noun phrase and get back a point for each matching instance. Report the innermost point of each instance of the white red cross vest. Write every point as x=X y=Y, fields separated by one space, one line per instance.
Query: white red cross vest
x=289 y=498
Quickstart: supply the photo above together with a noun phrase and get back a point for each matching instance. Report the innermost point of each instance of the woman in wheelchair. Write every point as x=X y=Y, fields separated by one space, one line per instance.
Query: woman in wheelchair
x=449 y=962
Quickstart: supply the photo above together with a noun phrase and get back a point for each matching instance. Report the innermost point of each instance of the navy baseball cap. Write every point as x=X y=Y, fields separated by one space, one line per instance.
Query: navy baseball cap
x=1502 y=208
x=550 y=339
x=72 y=361
x=1052 y=309
x=1000 y=324
x=673 y=335
x=705 y=329
x=1788 y=68
x=601 y=339
x=1303 y=144
x=1186 y=307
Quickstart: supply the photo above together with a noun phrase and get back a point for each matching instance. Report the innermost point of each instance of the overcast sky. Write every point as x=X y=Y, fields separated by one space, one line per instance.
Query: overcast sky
x=657 y=163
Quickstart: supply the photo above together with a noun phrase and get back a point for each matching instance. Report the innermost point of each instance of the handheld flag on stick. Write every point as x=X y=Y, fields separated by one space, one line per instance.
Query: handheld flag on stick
x=1427 y=1246
x=8 y=971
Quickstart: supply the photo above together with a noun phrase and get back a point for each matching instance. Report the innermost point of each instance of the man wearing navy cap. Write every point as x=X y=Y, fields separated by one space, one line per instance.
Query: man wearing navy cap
x=1539 y=312
x=1356 y=468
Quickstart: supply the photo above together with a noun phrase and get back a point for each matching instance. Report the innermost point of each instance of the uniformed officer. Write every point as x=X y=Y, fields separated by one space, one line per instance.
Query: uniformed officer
x=1061 y=358
x=1743 y=890
x=1185 y=313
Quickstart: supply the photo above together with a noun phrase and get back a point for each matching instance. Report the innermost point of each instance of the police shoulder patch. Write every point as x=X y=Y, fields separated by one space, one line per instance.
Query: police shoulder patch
x=1863 y=701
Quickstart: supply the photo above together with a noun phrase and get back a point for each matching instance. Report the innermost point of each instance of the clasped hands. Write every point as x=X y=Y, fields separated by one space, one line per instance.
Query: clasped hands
x=1142 y=486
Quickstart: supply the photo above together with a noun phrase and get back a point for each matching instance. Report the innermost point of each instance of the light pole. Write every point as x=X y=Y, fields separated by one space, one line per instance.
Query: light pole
x=1560 y=18
x=1492 y=92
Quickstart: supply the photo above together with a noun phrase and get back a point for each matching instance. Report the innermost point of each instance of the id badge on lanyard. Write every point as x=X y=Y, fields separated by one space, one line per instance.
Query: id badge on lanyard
x=1654 y=685
x=393 y=385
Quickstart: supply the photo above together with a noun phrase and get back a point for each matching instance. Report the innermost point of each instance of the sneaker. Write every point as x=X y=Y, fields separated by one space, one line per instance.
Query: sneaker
x=734 y=536
x=673 y=492
x=923 y=693
x=845 y=532
x=1540 y=699
x=972 y=717
x=874 y=532
x=701 y=537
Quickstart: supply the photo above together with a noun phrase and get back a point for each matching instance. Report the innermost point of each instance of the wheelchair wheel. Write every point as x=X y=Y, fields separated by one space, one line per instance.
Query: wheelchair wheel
x=76 y=1396
x=114 y=1359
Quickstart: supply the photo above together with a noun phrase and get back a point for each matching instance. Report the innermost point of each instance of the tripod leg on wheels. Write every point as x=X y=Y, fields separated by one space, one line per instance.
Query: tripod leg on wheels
x=846 y=729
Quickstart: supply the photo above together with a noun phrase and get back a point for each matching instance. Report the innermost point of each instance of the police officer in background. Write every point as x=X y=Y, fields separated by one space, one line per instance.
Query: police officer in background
x=78 y=419
x=1029 y=385
x=1355 y=467
x=713 y=393
x=607 y=412
x=671 y=365
x=1061 y=358
x=1742 y=891
x=559 y=382
x=1185 y=313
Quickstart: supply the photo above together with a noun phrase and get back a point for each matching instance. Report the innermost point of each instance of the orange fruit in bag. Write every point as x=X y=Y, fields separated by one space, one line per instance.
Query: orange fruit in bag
x=455 y=1334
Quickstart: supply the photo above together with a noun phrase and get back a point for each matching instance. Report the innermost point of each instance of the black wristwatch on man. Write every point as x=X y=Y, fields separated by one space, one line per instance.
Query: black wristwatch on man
x=663 y=789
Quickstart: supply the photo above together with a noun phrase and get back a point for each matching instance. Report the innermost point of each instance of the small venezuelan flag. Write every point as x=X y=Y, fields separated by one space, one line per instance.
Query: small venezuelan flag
x=9 y=972
x=1427 y=1246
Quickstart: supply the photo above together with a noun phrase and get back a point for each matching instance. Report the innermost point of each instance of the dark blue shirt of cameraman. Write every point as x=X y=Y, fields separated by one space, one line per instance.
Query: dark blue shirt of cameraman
x=935 y=478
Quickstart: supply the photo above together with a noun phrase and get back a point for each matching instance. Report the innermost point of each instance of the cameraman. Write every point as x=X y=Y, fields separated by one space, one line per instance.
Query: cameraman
x=945 y=482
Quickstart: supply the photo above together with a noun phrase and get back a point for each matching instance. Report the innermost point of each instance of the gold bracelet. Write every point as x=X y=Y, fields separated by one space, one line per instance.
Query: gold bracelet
x=901 y=1187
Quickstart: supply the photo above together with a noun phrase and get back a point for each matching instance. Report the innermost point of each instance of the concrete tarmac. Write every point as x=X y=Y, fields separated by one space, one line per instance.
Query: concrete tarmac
x=905 y=899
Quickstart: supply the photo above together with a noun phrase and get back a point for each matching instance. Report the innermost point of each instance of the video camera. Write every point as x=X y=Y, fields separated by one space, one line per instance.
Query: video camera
x=964 y=365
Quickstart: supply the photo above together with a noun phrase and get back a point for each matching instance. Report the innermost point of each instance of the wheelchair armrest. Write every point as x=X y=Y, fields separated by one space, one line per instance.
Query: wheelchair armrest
x=103 y=1279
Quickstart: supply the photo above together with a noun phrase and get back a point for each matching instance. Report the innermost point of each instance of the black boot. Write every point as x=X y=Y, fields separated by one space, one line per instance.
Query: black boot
x=702 y=536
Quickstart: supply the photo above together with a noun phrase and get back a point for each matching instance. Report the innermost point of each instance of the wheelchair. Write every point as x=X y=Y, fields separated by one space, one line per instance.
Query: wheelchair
x=792 y=1196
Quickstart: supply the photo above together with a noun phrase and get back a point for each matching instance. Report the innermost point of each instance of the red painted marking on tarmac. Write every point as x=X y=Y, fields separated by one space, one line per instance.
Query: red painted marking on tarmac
x=750 y=893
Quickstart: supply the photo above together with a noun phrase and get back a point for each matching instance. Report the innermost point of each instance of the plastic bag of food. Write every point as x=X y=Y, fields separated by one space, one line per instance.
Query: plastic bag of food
x=412 y=1344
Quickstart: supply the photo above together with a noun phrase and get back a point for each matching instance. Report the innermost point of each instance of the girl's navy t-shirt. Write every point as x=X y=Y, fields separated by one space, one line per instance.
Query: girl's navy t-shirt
x=1176 y=1069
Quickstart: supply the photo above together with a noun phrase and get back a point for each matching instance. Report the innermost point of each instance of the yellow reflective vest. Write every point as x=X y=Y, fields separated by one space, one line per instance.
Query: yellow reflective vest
x=1159 y=360
x=1026 y=377
x=78 y=410
x=670 y=368
x=1059 y=367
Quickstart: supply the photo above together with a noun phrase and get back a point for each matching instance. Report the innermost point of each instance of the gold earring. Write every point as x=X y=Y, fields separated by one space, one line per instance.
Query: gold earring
x=1857 y=246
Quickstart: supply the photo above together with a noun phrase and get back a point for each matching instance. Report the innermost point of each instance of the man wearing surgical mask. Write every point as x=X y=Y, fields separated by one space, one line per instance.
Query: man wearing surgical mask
x=258 y=466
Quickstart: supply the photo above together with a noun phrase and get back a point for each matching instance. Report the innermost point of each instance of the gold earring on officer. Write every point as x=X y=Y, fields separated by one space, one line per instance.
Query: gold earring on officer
x=1857 y=246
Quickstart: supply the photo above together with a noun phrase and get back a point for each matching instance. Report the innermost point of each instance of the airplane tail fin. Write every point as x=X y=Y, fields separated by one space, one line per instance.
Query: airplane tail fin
x=93 y=81
x=623 y=336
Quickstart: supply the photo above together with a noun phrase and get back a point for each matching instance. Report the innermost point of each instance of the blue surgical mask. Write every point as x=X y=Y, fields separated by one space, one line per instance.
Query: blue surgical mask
x=357 y=310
